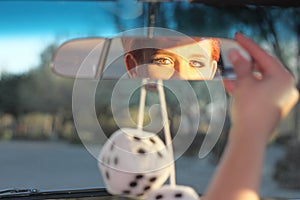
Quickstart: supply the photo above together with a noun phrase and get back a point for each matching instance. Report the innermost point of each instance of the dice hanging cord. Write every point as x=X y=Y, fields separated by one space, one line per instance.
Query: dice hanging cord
x=142 y=105
x=167 y=132
x=166 y=125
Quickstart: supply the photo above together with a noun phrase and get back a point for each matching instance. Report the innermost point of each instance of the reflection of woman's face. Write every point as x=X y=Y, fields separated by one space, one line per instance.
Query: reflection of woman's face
x=190 y=61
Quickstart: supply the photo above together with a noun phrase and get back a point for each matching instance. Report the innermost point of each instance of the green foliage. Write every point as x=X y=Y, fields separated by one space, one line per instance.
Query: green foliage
x=38 y=90
x=43 y=90
x=34 y=126
x=9 y=93
x=7 y=125
x=35 y=99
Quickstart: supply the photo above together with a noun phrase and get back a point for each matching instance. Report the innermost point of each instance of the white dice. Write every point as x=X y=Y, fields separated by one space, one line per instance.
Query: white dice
x=134 y=162
x=168 y=192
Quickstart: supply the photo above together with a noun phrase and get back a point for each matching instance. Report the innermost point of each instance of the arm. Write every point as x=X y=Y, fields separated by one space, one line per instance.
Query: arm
x=258 y=104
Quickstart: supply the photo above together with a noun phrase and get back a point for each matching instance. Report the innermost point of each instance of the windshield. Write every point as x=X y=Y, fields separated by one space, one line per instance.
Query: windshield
x=42 y=140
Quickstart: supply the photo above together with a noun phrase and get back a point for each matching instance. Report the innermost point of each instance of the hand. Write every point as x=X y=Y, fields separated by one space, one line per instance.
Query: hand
x=259 y=102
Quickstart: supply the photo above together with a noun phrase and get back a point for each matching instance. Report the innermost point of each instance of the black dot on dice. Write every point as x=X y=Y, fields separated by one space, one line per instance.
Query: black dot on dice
x=147 y=187
x=152 y=179
x=141 y=194
x=107 y=175
x=133 y=184
x=139 y=176
x=178 y=195
x=137 y=138
x=159 y=196
x=141 y=151
x=112 y=146
x=160 y=154
x=116 y=160
x=152 y=140
x=126 y=192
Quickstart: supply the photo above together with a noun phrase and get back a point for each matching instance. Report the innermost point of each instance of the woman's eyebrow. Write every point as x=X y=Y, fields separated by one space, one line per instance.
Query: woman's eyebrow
x=165 y=52
x=198 y=56
x=173 y=53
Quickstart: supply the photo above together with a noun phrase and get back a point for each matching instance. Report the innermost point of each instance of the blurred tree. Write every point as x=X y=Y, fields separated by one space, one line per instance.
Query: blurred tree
x=9 y=87
x=38 y=90
x=44 y=91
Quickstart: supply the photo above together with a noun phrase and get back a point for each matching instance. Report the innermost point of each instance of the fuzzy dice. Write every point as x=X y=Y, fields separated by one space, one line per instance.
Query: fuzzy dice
x=134 y=162
x=178 y=192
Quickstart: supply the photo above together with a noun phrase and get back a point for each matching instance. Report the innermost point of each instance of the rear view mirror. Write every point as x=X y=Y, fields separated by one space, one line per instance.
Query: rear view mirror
x=163 y=57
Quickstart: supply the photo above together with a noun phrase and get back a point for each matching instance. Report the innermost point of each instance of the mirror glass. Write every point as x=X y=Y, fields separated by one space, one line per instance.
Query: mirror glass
x=163 y=57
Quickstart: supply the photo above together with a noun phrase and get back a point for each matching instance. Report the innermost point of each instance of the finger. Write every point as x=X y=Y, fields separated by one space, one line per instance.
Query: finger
x=241 y=66
x=267 y=62
x=229 y=86
x=257 y=71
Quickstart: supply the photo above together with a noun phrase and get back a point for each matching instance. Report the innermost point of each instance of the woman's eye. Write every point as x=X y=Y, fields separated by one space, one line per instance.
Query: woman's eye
x=162 y=61
x=196 y=63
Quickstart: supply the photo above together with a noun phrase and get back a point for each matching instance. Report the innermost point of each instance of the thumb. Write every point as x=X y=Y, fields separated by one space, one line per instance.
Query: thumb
x=241 y=65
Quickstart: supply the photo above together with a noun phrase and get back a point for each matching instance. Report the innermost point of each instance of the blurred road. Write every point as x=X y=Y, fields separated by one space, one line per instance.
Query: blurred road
x=58 y=165
x=47 y=165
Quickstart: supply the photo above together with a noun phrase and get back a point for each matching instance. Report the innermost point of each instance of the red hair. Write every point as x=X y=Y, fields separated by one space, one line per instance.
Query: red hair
x=216 y=48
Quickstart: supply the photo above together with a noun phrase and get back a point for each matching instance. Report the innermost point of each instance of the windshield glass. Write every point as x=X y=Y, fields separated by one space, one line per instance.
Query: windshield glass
x=42 y=140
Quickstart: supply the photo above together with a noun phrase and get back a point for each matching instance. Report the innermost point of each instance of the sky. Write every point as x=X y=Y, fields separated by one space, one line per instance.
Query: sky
x=27 y=28
x=20 y=54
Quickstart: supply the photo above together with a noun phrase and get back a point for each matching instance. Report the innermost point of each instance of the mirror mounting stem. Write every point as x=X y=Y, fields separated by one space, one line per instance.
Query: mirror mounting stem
x=152 y=14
